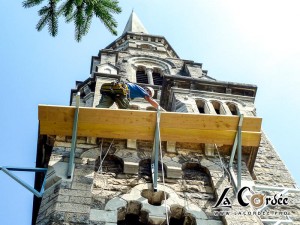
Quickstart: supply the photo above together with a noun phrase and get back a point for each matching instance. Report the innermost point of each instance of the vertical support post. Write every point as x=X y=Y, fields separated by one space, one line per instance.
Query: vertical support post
x=74 y=138
x=233 y=151
x=239 y=142
x=234 y=147
x=156 y=148
x=237 y=145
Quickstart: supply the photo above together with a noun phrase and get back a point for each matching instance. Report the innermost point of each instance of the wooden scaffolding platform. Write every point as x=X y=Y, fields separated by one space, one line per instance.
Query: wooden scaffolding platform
x=235 y=131
x=133 y=124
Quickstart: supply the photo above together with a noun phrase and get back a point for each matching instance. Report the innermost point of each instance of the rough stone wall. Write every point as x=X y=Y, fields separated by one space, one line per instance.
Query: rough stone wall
x=270 y=170
x=67 y=201
x=121 y=190
x=94 y=197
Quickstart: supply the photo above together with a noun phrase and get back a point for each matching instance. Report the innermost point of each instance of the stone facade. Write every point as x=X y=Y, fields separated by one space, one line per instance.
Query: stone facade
x=111 y=183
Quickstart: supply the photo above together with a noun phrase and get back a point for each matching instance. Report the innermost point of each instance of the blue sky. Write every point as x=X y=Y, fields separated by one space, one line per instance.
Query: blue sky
x=255 y=42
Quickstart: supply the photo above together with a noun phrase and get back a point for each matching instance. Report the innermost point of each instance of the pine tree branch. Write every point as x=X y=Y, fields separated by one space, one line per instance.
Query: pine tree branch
x=44 y=10
x=79 y=11
x=66 y=9
x=31 y=3
x=53 y=22
x=79 y=23
x=42 y=22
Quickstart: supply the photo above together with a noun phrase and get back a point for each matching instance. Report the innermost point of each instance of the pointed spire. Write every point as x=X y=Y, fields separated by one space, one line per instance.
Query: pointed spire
x=134 y=25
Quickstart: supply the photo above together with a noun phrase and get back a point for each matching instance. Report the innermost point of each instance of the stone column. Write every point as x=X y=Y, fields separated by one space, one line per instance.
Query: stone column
x=210 y=108
x=149 y=75
x=224 y=109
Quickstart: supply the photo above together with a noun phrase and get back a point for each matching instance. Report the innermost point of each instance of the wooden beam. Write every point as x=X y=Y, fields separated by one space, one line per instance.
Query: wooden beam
x=132 y=124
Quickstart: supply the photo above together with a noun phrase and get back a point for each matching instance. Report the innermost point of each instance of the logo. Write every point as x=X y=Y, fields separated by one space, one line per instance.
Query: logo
x=257 y=200
x=223 y=200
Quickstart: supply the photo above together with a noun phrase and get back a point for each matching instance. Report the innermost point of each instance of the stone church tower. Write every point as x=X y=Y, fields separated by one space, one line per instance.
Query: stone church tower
x=111 y=182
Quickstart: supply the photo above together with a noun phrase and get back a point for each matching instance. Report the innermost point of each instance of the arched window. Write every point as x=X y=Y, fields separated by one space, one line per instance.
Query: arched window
x=194 y=171
x=198 y=175
x=233 y=108
x=217 y=106
x=157 y=77
x=141 y=76
x=200 y=106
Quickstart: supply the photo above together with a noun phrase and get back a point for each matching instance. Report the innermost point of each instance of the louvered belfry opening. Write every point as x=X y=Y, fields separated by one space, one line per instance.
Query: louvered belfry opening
x=157 y=77
x=141 y=76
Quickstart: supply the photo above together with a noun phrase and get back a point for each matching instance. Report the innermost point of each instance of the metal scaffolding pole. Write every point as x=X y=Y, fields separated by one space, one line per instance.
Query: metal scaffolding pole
x=74 y=138
x=237 y=146
x=38 y=194
x=239 y=173
x=156 y=148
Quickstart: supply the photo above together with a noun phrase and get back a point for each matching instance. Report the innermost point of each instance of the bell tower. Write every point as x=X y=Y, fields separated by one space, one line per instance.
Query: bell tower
x=139 y=166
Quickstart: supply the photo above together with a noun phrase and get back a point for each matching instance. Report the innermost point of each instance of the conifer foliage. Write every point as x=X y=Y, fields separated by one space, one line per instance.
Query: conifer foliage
x=81 y=12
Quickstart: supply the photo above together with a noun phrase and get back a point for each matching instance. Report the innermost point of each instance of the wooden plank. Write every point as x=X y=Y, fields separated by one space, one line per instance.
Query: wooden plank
x=94 y=115
x=225 y=137
x=147 y=118
x=97 y=130
x=131 y=124
x=209 y=122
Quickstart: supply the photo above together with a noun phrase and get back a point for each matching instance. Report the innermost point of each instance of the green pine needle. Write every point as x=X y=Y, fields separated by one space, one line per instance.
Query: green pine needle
x=81 y=12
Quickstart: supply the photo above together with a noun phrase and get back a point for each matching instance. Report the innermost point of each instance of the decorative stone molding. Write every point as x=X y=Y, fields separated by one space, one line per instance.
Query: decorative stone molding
x=137 y=201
